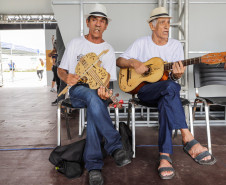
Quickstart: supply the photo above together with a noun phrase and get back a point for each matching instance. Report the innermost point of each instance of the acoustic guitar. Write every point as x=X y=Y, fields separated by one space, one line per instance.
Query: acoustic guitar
x=131 y=82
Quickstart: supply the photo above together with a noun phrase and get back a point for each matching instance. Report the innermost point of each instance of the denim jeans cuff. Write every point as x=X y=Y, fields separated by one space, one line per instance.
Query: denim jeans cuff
x=168 y=151
x=94 y=167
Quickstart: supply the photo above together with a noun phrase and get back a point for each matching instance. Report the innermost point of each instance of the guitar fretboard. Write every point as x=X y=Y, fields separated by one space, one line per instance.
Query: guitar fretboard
x=197 y=60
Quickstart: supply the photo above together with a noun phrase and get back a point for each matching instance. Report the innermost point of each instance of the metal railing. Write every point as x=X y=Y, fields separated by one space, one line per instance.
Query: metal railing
x=26 y=19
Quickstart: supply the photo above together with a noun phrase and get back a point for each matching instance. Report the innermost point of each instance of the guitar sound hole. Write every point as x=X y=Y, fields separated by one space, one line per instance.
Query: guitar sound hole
x=147 y=72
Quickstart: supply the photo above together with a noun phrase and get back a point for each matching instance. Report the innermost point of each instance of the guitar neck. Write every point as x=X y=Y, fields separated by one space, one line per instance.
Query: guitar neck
x=191 y=61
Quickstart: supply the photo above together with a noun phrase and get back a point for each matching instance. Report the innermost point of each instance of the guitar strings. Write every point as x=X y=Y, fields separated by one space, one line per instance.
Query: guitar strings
x=185 y=62
x=96 y=77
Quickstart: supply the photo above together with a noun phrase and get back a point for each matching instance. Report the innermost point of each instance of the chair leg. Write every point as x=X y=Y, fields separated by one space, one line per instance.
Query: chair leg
x=148 y=117
x=131 y=110
x=67 y=124
x=117 y=118
x=133 y=131
x=142 y=112
x=208 y=127
x=186 y=111
x=193 y=116
x=81 y=121
x=128 y=115
x=191 y=119
x=59 y=124
x=225 y=113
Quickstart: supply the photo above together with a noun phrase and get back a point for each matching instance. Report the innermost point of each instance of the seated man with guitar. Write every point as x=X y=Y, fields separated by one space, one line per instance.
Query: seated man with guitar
x=166 y=92
x=80 y=60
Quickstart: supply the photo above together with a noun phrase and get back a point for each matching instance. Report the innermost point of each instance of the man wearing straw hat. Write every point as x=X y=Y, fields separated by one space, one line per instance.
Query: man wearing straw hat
x=164 y=94
x=99 y=123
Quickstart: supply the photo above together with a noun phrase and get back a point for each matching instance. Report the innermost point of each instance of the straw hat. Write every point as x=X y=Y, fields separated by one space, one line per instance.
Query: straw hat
x=98 y=10
x=158 y=12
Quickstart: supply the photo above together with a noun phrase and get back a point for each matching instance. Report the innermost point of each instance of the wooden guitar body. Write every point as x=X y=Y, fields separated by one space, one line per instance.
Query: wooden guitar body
x=131 y=82
x=94 y=74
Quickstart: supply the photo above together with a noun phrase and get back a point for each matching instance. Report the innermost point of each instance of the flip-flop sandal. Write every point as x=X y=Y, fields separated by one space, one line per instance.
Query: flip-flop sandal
x=199 y=157
x=164 y=169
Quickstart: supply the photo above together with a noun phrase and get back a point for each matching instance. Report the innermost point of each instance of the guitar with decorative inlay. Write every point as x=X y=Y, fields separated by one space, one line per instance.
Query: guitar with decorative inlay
x=90 y=71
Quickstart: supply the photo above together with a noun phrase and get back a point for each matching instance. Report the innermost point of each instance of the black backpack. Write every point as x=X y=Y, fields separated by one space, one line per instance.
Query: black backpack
x=68 y=159
x=126 y=138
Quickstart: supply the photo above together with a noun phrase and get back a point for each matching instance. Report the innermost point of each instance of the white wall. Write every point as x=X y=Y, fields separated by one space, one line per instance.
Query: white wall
x=68 y=18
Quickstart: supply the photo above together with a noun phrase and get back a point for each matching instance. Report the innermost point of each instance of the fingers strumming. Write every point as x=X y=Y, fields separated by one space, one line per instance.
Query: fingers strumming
x=98 y=92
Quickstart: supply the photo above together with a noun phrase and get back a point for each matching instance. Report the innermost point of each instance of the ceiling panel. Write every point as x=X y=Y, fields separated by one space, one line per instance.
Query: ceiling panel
x=26 y=7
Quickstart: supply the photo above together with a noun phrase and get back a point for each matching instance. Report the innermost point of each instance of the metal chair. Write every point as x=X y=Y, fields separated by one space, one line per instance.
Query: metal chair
x=133 y=103
x=205 y=75
x=67 y=106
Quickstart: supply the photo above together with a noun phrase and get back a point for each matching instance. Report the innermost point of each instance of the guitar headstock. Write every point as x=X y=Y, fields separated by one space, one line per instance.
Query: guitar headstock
x=214 y=58
x=103 y=52
x=115 y=103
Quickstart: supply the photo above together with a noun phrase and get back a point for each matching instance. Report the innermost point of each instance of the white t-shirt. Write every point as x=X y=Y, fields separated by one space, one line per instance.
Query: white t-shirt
x=79 y=47
x=144 y=49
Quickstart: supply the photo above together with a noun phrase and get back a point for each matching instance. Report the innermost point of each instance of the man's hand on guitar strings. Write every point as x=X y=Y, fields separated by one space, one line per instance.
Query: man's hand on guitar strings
x=103 y=94
x=178 y=69
x=139 y=67
x=72 y=79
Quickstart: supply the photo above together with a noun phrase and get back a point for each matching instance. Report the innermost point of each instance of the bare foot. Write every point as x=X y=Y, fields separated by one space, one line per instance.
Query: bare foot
x=197 y=148
x=165 y=163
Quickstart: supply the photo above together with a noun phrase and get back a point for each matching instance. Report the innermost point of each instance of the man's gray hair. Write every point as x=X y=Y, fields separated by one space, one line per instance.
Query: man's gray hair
x=154 y=22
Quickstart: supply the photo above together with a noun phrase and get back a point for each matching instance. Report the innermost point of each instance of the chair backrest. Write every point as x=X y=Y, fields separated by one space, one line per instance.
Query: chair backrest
x=205 y=75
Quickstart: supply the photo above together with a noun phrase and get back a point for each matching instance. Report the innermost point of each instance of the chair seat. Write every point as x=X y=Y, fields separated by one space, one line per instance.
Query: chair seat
x=215 y=100
x=137 y=101
x=154 y=106
x=67 y=103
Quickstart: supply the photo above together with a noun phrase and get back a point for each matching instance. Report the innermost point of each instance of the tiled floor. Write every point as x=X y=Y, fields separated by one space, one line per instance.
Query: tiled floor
x=27 y=120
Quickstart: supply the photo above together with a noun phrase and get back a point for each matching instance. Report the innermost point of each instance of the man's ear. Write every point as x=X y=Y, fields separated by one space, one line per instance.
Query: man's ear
x=151 y=26
x=87 y=22
x=106 y=26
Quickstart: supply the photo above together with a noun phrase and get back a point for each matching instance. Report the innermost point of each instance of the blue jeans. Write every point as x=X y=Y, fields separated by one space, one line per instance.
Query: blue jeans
x=99 y=125
x=166 y=95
